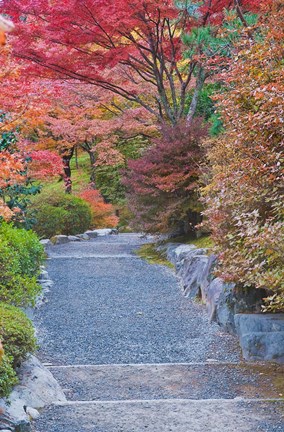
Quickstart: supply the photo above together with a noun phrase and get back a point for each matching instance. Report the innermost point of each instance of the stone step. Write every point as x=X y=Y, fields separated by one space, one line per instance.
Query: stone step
x=164 y=416
x=170 y=381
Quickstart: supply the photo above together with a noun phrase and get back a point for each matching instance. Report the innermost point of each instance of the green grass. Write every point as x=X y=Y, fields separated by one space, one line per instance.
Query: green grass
x=152 y=256
x=80 y=176
x=202 y=242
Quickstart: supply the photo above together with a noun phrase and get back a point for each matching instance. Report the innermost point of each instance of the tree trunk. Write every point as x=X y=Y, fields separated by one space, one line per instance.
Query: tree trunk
x=93 y=168
x=67 y=170
x=199 y=84
x=76 y=158
x=89 y=149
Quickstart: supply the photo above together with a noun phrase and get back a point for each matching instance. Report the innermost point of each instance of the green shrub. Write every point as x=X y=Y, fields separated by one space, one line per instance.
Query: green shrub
x=16 y=288
x=60 y=213
x=8 y=376
x=25 y=244
x=16 y=333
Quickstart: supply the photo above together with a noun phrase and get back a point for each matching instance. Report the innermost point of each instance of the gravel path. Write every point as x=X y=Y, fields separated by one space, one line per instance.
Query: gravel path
x=133 y=354
x=108 y=306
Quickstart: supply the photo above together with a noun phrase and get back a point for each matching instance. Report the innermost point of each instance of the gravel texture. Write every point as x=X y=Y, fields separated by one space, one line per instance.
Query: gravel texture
x=162 y=416
x=131 y=330
x=108 y=306
x=171 y=381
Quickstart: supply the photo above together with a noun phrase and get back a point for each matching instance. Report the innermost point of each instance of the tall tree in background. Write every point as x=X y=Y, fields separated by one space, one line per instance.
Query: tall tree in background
x=163 y=184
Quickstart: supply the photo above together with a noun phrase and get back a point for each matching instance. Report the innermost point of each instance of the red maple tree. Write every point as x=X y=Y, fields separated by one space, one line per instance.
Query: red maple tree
x=121 y=46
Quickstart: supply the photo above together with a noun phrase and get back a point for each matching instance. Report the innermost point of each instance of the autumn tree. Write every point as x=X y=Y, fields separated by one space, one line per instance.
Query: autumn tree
x=131 y=48
x=245 y=195
x=152 y=54
x=163 y=184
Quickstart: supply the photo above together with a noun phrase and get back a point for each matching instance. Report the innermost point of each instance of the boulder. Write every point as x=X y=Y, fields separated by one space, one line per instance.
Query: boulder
x=7 y=424
x=37 y=389
x=233 y=300
x=211 y=295
x=91 y=234
x=43 y=275
x=253 y=323
x=60 y=239
x=225 y=307
x=46 y=242
x=179 y=252
x=170 y=249
x=74 y=238
x=83 y=236
x=191 y=273
x=207 y=276
x=261 y=336
x=105 y=231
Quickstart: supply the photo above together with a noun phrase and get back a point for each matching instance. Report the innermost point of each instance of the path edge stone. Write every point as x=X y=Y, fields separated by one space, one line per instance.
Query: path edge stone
x=226 y=303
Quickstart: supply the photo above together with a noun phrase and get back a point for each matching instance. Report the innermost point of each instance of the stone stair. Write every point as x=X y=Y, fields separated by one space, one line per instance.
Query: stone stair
x=133 y=355
x=193 y=397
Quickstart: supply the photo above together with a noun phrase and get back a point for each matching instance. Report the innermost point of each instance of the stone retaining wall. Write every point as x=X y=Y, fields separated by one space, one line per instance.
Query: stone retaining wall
x=236 y=311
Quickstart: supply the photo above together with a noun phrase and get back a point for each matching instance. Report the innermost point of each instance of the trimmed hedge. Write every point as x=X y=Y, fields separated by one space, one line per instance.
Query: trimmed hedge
x=20 y=257
x=16 y=333
x=60 y=213
x=18 y=339
x=8 y=377
x=25 y=244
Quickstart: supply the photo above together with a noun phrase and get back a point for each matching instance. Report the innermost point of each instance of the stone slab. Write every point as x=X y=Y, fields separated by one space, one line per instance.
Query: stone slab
x=261 y=336
x=251 y=323
x=172 y=381
x=164 y=416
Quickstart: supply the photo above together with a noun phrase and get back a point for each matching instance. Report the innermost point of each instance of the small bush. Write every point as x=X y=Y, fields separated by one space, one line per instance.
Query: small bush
x=16 y=288
x=25 y=244
x=102 y=213
x=8 y=376
x=60 y=213
x=16 y=333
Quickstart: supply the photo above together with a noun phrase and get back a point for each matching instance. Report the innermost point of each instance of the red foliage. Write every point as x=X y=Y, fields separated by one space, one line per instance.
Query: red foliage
x=163 y=184
x=44 y=165
x=130 y=47
x=103 y=213
x=12 y=167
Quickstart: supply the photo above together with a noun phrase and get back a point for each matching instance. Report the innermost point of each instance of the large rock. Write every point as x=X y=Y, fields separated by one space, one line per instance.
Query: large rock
x=7 y=424
x=207 y=276
x=191 y=273
x=233 y=300
x=211 y=296
x=83 y=236
x=177 y=252
x=37 y=389
x=37 y=386
x=105 y=231
x=46 y=242
x=261 y=336
x=73 y=238
x=193 y=266
x=225 y=307
x=60 y=239
x=91 y=234
x=254 y=323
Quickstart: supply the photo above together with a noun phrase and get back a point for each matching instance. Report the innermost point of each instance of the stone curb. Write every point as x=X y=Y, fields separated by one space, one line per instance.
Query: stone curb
x=235 y=310
x=90 y=234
